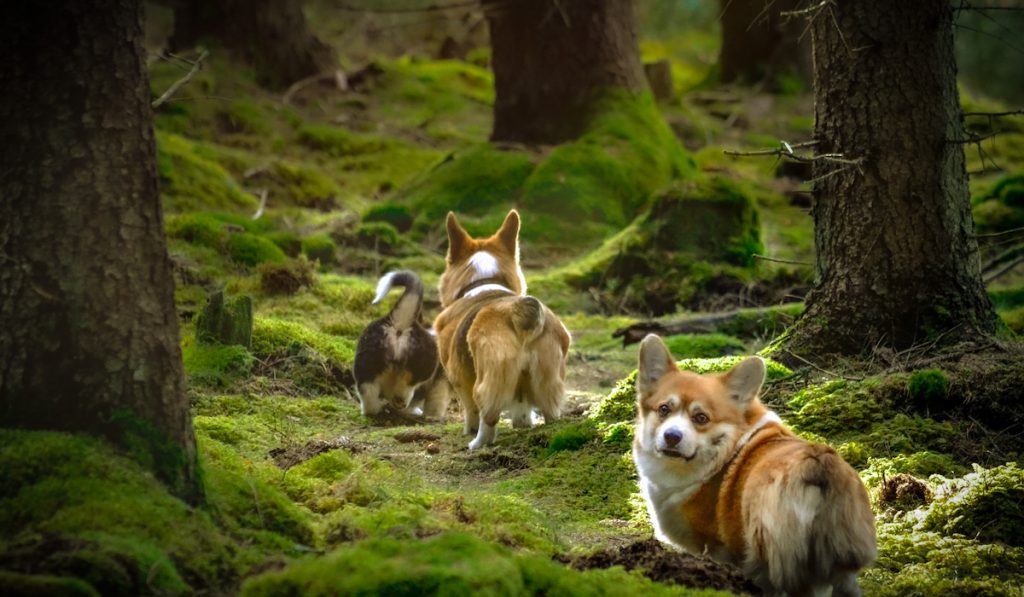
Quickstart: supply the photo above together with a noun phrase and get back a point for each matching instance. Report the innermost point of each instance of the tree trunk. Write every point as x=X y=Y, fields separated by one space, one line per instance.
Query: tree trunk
x=270 y=35
x=90 y=334
x=896 y=258
x=759 y=44
x=553 y=60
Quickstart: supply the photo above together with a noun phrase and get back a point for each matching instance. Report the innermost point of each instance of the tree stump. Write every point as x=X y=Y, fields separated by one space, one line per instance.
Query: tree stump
x=225 y=321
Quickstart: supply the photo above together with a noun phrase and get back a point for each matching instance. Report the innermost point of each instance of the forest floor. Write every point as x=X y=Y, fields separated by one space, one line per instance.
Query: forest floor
x=306 y=496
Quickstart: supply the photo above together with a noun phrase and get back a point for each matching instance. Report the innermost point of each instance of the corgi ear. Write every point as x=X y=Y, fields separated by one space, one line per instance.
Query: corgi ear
x=508 y=234
x=458 y=238
x=744 y=381
x=655 y=362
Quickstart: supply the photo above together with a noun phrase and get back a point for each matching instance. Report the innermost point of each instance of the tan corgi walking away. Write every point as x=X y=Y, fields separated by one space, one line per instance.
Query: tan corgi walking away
x=721 y=474
x=502 y=350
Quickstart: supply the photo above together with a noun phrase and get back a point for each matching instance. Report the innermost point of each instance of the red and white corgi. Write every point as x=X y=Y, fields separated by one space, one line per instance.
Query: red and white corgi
x=501 y=349
x=722 y=475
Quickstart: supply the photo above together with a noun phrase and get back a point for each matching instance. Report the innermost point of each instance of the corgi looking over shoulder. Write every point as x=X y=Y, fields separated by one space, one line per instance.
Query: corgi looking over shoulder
x=501 y=349
x=396 y=353
x=721 y=474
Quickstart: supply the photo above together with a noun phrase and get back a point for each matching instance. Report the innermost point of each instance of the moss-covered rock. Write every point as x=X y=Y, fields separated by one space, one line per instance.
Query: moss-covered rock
x=397 y=215
x=704 y=345
x=214 y=364
x=984 y=505
x=449 y=564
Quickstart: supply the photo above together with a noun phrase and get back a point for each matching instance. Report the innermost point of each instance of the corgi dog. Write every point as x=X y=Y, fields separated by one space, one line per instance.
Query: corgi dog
x=397 y=354
x=501 y=349
x=722 y=475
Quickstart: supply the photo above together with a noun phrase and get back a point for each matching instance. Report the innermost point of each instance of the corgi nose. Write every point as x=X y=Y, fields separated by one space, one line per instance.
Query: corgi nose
x=673 y=436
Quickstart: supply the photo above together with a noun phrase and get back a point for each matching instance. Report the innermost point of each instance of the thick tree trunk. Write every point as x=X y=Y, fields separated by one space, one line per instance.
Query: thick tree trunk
x=896 y=258
x=552 y=60
x=759 y=44
x=89 y=337
x=270 y=35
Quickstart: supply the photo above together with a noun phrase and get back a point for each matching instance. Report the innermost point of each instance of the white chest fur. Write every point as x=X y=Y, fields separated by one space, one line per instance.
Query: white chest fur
x=665 y=493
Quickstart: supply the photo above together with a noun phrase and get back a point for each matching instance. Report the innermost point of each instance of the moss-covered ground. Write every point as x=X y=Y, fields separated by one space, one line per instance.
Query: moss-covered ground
x=305 y=496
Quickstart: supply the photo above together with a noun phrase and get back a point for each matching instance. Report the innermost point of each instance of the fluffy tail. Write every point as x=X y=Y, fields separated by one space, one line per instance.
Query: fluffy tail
x=406 y=311
x=528 y=316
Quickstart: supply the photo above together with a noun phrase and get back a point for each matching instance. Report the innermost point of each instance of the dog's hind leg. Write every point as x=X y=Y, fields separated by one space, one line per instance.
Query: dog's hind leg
x=492 y=393
x=522 y=414
x=369 y=399
x=547 y=384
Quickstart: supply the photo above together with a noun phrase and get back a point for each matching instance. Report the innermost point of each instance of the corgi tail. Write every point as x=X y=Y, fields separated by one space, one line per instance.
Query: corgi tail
x=407 y=310
x=528 y=316
x=824 y=530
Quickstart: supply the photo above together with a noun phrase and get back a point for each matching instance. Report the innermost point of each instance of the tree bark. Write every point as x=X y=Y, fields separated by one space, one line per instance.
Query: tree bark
x=759 y=44
x=553 y=60
x=89 y=336
x=897 y=262
x=270 y=35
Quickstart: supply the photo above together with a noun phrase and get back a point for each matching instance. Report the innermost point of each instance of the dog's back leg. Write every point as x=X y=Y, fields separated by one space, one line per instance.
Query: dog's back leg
x=522 y=413
x=547 y=379
x=493 y=393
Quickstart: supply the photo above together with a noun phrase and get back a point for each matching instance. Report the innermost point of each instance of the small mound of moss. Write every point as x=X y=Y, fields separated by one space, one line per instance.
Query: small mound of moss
x=306 y=186
x=573 y=437
x=71 y=506
x=276 y=336
x=214 y=364
x=339 y=142
x=984 y=505
x=1001 y=207
x=397 y=215
x=249 y=249
x=191 y=182
x=288 y=277
x=928 y=389
x=320 y=247
x=449 y=564
x=704 y=345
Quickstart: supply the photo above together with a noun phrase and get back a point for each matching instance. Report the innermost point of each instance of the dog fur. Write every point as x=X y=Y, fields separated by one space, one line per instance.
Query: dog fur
x=502 y=350
x=722 y=475
x=397 y=355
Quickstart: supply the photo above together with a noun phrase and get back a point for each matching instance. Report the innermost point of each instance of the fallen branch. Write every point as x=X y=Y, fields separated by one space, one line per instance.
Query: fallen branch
x=743 y=322
x=1003 y=233
x=263 y=204
x=196 y=67
x=785 y=150
x=1005 y=269
x=777 y=260
x=340 y=81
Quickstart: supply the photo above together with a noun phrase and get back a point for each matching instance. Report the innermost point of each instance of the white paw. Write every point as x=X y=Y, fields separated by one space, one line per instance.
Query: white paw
x=476 y=444
x=414 y=411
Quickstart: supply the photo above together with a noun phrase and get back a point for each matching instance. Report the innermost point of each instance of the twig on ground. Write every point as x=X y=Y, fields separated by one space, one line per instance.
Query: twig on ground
x=1002 y=233
x=822 y=369
x=196 y=67
x=777 y=260
x=1004 y=270
x=340 y=81
x=263 y=204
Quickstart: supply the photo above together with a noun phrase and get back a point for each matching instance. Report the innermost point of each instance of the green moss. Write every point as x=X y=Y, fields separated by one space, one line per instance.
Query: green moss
x=275 y=336
x=397 y=215
x=1007 y=298
x=244 y=116
x=43 y=584
x=572 y=438
x=244 y=499
x=110 y=522
x=306 y=186
x=319 y=247
x=1014 y=319
x=984 y=505
x=449 y=564
x=190 y=182
x=249 y=249
x=704 y=345
x=918 y=464
x=471 y=182
x=1001 y=206
x=287 y=278
x=928 y=389
x=214 y=364
x=379 y=236
x=339 y=142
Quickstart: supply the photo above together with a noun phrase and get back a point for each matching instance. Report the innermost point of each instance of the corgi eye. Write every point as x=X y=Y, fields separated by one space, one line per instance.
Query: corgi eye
x=701 y=419
x=664 y=409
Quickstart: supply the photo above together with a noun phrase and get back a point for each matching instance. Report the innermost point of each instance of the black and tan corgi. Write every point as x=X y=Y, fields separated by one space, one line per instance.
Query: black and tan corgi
x=722 y=475
x=397 y=354
x=501 y=349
